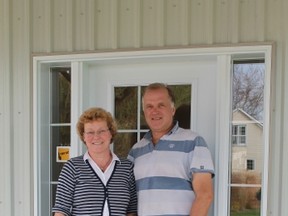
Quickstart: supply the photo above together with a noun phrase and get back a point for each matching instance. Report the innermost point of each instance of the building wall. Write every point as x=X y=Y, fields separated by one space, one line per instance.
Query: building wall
x=29 y=27
x=255 y=145
x=253 y=149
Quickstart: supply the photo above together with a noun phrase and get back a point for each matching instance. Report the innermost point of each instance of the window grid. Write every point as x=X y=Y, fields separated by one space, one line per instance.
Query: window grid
x=247 y=105
x=239 y=135
x=250 y=164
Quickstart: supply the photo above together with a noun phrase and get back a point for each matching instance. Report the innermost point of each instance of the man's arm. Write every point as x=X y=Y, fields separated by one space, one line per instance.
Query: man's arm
x=203 y=189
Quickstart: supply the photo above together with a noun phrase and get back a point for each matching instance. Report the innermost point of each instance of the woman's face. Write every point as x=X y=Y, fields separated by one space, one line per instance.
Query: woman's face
x=97 y=137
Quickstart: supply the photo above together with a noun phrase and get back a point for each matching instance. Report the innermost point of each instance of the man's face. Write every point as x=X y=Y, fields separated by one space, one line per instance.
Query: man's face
x=158 y=110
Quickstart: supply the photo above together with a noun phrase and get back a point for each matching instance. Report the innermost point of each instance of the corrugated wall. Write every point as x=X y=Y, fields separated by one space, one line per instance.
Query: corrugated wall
x=61 y=26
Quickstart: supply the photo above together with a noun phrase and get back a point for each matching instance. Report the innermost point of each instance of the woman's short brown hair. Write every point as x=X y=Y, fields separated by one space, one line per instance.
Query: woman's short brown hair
x=93 y=114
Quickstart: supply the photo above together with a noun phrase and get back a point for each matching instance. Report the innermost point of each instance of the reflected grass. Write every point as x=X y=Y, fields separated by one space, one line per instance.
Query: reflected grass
x=253 y=212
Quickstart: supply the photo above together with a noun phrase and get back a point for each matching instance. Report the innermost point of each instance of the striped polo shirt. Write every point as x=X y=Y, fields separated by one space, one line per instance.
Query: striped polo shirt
x=164 y=172
x=81 y=192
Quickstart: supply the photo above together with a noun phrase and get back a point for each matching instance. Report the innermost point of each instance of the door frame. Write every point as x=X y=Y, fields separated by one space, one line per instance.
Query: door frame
x=223 y=56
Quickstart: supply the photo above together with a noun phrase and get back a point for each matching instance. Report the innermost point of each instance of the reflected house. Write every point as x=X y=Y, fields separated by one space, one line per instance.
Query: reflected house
x=247 y=147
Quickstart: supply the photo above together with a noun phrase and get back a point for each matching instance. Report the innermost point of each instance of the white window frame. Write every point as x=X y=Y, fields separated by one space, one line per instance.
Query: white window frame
x=224 y=56
x=238 y=136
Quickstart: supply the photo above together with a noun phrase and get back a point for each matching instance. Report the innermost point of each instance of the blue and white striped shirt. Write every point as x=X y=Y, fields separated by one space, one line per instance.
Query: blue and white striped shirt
x=164 y=172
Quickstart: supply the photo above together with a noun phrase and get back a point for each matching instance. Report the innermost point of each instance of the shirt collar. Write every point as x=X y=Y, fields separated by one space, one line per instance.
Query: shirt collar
x=86 y=156
x=148 y=135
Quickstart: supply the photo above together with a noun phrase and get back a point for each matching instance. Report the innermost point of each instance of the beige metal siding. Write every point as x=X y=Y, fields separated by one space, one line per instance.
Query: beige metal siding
x=60 y=26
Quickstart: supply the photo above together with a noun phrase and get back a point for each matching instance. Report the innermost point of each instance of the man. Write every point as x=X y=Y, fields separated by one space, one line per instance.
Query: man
x=173 y=166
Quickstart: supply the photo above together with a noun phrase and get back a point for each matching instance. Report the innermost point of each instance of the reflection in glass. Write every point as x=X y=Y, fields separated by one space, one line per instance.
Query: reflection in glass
x=60 y=136
x=61 y=92
x=53 y=194
x=246 y=177
x=126 y=107
x=245 y=201
x=123 y=143
x=246 y=138
x=142 y=135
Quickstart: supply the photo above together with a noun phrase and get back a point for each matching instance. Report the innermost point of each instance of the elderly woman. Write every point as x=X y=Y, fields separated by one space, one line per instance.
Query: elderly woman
x=98 y=182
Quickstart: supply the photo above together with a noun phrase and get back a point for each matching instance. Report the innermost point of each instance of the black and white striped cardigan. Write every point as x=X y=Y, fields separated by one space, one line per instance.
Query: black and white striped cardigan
x=81 y=192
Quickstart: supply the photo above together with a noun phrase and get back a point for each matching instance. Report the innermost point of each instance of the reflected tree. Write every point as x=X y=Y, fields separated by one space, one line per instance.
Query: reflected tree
x=248 y=88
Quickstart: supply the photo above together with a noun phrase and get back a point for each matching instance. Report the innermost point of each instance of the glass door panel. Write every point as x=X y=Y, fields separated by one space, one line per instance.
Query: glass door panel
x=247 y=138
x=60 y=112
x=130 y=118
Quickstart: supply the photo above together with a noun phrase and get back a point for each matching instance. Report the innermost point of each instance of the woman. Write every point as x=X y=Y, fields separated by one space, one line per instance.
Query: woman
x=98 y=182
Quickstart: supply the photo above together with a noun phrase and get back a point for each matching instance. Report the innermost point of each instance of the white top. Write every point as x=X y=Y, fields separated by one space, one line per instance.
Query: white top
x=104 y=176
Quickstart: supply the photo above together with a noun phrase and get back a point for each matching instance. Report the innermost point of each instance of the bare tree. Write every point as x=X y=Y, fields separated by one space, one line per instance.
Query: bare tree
x=248 y=88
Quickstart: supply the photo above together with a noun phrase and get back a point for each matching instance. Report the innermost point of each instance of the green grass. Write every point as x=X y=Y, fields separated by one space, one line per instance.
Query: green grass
x=254 y=212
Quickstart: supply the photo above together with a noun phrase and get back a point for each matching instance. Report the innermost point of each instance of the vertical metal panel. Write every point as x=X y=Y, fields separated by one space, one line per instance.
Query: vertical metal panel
x=21 y=97
x=149 y=23
x=41 y=22
x=172 y=22
x=274 y=20
x=160 y=23
x=114 y=24
x=184 y=22
x=201 y=19
x=248 y=16
x=260 y=20
x=176 y=22
x=83 y=28
x=221 y=21
x=104 y=33
x=234 y=20
x=284 y=162
x=6 y=168
x=137 y=24
x=61 y=31
x=126 y=19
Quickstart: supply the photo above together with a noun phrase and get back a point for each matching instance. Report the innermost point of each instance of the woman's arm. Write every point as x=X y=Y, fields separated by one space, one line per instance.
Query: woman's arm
x=65 y=189
x=58 y=214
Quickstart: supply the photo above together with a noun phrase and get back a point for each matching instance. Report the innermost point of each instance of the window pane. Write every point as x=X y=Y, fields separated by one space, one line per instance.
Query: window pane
x=242 y=130
x=247 y=156
x=245 y=201
x=61 y=95
x=250 y=164
x=123 y=143
x=53 y=195
x=143 y=124
x=234 y=129
x=130 y=128
x=234 y=140
x=126 y=107
x=242 y=140
x=60 y=136
x=182 y=95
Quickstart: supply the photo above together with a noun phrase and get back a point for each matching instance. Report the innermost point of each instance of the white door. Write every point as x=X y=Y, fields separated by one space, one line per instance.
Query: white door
x=102 y=80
